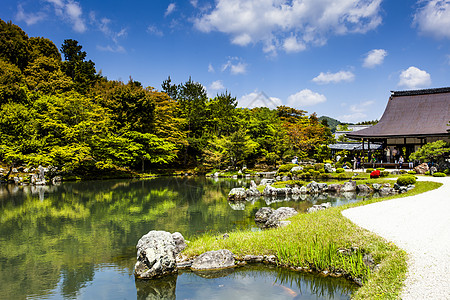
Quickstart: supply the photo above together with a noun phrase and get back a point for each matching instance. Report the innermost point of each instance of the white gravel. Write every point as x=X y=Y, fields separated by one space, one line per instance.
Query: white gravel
x=421 y=226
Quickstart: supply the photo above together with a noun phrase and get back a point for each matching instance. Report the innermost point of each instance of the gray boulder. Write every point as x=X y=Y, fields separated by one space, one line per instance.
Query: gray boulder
x=323 y=187
x=349 y=186
x=296 y=169
x=180 y=243
x=263 y=214
x=266 y=181
x=285 y=178
x=376 y=186
x=278 y=215
x=213 y=260
x=384 y=191
x=334 y=188
x=363 y=189
x=271 y=191
x=313 y=187
x=433 y=170
x=253 y=185
x=328 y=168
x=303 y=190
x=421 y=169
x=319 y=207
x=156 y=255
x=237 y=194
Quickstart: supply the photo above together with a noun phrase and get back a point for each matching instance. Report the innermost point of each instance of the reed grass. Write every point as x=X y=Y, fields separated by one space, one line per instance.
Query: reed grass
x=312 y=241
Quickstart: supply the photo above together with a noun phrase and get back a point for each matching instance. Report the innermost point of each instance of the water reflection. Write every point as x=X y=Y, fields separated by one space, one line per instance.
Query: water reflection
x=54 y=238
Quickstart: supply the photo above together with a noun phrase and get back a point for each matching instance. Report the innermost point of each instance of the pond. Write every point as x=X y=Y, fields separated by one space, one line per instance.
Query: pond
x=77 y=240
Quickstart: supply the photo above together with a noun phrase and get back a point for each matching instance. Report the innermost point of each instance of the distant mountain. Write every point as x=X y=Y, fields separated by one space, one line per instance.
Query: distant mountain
x=332 y=123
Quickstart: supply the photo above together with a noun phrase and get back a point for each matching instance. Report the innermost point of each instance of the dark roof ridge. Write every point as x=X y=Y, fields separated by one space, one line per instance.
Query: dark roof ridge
x=420 y=92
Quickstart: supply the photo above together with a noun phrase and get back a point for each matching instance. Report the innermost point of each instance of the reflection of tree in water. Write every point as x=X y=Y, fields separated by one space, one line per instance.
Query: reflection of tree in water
x=76 y=277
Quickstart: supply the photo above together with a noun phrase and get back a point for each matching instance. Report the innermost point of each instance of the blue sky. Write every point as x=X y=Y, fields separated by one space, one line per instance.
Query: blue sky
x=339 y=58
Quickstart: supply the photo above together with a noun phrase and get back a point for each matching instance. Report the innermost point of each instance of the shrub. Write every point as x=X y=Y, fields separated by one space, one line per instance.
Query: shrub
x=412 y=172
x=319 y=166
x=406 y=180
x=439 y=174
x=338 y=165
x=341 y=176
x=447 y=171
x=369 y=170
x=309 y=168
x=306 y=175
x=385 y=173
x=286 y=168
x=427 y=173
x=322 y=170
x=375 y=174
x=381 y=169
x=315 y=173
x=340 y=170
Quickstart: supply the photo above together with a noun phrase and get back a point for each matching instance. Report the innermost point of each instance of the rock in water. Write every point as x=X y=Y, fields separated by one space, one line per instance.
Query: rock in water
x=349 y=186
x=237 y=194
x=180 y=243
x=213 y=260
x=278 y=215
x=263 y=214
x=156 y=252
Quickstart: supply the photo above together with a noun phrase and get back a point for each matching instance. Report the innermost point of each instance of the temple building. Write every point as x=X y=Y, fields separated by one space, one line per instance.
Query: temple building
x=411 y=119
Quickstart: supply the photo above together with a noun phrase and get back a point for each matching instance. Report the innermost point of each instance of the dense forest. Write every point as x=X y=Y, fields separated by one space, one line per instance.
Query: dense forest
x=62 y=112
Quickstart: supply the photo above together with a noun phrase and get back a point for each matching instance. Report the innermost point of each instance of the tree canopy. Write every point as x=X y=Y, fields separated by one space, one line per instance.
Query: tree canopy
x=62 y=112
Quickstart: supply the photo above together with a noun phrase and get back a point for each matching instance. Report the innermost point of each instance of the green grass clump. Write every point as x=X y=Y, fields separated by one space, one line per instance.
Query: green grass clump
x=406 y=180
x=312 y=241
x=439 y=174
x=340 y=170
x=286 y=168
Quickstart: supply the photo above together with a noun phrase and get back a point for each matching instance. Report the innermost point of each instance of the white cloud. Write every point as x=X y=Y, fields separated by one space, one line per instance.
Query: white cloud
x=291 y=44
x=71 y=11
x=414 y=78
x=194 y=3
x=433 y=18
x=305 y=97
x=29 y=18
x=289 y=25
x=170 y=9
x=235 y=65
x=74 y=12
x=374 y=57
x=211 y=69
x=357 y=112
x=258 y=99
x=324 y=78
x=152 y=29
x=104 y=26
x=217 y=85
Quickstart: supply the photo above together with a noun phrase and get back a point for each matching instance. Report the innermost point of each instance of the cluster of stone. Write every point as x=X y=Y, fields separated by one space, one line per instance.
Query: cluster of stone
x=267 y=217
x=37 y=175
x=158 y=255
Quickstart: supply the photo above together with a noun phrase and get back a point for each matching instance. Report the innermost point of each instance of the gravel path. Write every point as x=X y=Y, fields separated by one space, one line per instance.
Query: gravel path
x=421 y=226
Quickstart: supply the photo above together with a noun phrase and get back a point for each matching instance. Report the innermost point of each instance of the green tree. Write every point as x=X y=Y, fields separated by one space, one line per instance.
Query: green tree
x=82 y=72
x=42 y=47
x=14 y=46
x=12 y=84
x=431 y=152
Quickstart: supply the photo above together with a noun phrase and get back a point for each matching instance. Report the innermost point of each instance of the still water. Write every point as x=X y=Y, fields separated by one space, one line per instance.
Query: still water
x=77 y=241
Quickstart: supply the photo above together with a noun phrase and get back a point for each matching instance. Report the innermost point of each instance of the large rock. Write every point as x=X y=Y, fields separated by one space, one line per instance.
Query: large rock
x=313 y=187
x=212 y=260
x=421 y=169
x=376 y=187
x=263 y=214
x=363 y=189
x=335 y=188
x=315 y=208
x=279 y=215
x=296 y=169
x=271 y=191
x=349 y=186
x=156 y=255
x=237 y=194
x=266 y=181
x=328 y=168
x=433 y=170
x=180 y=243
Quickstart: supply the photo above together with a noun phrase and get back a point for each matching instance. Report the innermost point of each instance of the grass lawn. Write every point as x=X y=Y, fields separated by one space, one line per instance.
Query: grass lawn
x=312 y=242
